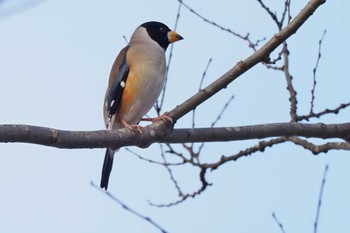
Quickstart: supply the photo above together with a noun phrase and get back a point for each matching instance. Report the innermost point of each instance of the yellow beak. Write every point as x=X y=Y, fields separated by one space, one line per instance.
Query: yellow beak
x=173 y=37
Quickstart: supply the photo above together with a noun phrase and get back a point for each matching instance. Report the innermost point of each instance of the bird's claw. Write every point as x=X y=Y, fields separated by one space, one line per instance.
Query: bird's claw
x=131 y=127
x=135 y=128
x=163 y=117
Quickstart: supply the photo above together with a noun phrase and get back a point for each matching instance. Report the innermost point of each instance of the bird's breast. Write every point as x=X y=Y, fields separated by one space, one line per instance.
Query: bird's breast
x=144 y=83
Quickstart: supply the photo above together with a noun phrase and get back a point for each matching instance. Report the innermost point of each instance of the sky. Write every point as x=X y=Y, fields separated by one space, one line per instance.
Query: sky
x=55 y=60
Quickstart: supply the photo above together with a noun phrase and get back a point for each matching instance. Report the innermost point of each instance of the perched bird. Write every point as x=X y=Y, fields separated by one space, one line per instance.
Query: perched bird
x=135 y=82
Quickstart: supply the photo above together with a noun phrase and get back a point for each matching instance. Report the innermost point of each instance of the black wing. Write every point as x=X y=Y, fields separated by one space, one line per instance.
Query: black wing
x=116 y=89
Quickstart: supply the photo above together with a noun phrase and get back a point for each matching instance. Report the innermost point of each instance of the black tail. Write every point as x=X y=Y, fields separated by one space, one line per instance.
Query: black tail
x=107 y=168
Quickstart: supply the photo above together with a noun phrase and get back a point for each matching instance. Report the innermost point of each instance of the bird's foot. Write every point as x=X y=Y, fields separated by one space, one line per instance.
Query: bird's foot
x=163 y=117
x=131 y=127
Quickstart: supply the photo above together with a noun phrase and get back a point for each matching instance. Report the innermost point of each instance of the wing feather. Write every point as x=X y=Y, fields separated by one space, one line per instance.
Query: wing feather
x=117 y=81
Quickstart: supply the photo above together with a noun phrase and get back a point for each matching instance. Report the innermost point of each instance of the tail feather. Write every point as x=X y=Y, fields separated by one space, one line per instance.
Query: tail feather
x=107 y=167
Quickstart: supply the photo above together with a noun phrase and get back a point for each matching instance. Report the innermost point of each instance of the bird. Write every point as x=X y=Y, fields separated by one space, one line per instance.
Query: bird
x=135 y=82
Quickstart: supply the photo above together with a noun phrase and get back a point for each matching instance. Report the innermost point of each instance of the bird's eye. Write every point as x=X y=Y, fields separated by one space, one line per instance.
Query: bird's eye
x=162 y=29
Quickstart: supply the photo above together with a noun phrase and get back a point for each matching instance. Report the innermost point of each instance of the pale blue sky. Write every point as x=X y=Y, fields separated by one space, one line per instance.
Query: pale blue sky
x=55 y=60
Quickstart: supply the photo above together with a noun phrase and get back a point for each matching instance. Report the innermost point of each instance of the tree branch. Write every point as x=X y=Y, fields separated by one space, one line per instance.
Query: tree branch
x=324 y=112
x=241 y=67
x=317 y=149
x=154 y=133
x=127 y=208
x=279 y=224
x=320 y=199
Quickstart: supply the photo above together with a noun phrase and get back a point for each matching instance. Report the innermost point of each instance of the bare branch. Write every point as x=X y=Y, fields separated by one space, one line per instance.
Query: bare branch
x=292 y=93
x=289 y=6
x=320 y=199
x=155 y=133
x=203 y=187
x=286 y=10
x=150 y=160
x=217 y=119
x=317 y=149
x=127 y=208
x=180 y=193
x=246 y=38
x=261 y=55
x=204 y=74
x=278 y=222
x=125 y=39
x=210 y=21
x=271 y=63
x=261 y=146
x=272 y=15
x=324 y=112
x=314 y=73
x=159 y=104
x=199 y=88
x=222 y=111
x=179 y=155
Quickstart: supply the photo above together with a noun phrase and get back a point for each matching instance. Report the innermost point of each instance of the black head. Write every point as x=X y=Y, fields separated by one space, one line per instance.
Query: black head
x=161 y=33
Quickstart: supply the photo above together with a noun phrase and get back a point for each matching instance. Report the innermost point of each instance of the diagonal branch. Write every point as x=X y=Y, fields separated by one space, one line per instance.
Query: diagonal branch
x=127 y=208
x=241 y=67
x=279 y=224
x=320 y=199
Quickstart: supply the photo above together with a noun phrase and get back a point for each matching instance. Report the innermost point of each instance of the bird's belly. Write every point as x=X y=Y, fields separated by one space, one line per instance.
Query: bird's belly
x=141 y=93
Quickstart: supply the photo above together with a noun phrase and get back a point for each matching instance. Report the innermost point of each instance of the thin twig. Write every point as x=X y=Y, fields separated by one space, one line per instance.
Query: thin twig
x=204 y=74
x=210 y=21
x=317 y=149
x=285 y=53
x=289 y=15
x=246 y=37
x=286 y=10
x=272 y=15
x=199 y=88
x=261 y=146
x=270 y=64
x=180 y=193
x=174 y=152
x=158 y=106
x=127 y=208
x=217 y=120
x=290 y=87
x=314 y=73
x=126 y=40
x=319 y=204
x=150 y=160
x=278 y=222
x=324 y=112
x=222 y=111
x=203 y=187
x=194 y=110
